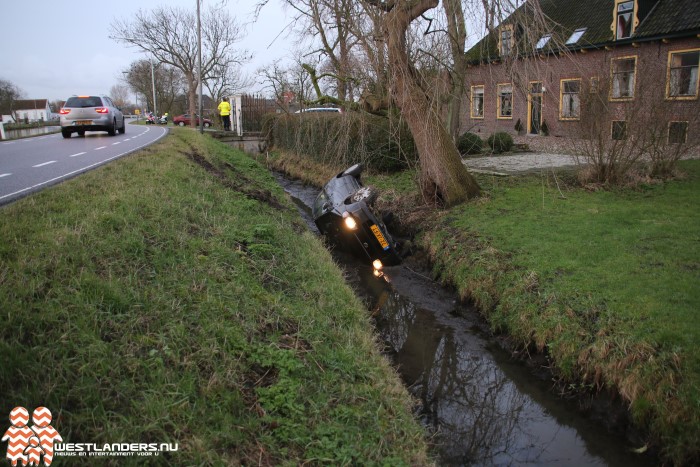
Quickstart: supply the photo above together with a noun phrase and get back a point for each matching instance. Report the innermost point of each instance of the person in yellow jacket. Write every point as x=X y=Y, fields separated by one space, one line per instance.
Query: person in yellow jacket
x=225 y=112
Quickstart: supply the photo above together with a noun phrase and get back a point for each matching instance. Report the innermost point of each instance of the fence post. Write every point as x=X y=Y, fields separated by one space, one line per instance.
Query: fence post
x=239 y=117
x=2 y=130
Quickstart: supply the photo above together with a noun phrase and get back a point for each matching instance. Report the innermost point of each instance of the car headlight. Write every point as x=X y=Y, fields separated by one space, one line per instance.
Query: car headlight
x=377 y=265
x=349 y=221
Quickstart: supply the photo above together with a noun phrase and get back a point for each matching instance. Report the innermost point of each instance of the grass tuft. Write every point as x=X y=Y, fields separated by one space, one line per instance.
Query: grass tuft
x=168 y=297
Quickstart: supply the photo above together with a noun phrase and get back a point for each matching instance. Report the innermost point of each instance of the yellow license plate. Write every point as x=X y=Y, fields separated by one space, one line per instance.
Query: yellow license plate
x=83 y=122
x=380 y=237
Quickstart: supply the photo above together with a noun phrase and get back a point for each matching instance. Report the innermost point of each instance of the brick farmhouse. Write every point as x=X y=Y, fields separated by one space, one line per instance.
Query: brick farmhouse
x=534 y=74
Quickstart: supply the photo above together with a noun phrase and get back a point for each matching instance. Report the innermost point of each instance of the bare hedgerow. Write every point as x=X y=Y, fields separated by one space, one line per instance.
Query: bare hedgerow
x=630 y=130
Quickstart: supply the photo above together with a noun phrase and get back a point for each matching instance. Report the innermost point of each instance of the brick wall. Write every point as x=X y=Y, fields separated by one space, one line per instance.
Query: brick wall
x=650 y=88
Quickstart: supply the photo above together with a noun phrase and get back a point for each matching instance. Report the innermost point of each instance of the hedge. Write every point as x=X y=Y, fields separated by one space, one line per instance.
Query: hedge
x=380 y=143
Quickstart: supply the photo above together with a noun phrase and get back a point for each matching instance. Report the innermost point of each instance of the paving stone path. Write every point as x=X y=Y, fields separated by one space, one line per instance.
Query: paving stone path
x=519 y=162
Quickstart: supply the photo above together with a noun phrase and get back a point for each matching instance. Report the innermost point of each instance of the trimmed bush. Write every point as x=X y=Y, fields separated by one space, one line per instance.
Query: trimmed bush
x=500 y=142
x=344 y=139
x=469 y=143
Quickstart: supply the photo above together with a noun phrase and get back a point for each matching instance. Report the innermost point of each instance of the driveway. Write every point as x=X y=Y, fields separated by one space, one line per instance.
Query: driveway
x=518 y=162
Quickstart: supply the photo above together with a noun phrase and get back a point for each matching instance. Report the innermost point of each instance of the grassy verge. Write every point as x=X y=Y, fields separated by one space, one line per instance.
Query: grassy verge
x=173 y=297
x=605 y=282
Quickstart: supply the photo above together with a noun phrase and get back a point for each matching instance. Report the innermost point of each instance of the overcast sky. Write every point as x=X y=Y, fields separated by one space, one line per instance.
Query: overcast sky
x=53 y=48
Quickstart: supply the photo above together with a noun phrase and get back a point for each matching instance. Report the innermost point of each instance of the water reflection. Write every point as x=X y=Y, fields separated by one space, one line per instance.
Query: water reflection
x=24 y=132
x=480 y=407
x=476 y=412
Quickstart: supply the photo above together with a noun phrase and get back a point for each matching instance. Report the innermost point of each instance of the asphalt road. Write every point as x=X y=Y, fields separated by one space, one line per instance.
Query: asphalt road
x=31 y=164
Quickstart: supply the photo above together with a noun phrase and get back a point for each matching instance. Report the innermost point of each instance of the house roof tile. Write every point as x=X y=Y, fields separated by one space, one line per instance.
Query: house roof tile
x=657 y=18
x=27 y=104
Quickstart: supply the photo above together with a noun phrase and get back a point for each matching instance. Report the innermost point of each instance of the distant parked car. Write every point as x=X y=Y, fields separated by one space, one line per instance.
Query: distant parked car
x=344 y=212
x=185 y=119
x=320 y=109
x=91 y=113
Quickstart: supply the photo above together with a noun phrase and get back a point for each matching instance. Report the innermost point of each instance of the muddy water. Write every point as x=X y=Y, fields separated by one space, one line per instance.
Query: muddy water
x=479 y=405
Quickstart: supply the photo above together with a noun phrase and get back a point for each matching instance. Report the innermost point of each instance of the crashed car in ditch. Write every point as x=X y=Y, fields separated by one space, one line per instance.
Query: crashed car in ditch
x=344 y=213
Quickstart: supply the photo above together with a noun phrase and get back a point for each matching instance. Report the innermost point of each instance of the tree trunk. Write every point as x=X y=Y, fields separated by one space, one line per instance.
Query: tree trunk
x=457 y=35
x=443 y=177
x=192 y=98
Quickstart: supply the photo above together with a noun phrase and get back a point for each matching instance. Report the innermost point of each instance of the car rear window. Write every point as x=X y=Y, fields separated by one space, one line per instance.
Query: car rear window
x=89 y=101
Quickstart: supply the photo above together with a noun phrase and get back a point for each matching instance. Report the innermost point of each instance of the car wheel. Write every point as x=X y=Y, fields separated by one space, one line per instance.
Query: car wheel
x=367 y=194
x=81 y=133
x=113 y=129
x=206 y=125
x=181 y=123
x=66 y=134
x=354 y=171
x=122 y=130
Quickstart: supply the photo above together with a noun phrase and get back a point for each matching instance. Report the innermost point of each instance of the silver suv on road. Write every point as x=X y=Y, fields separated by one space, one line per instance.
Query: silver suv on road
x=91 y=113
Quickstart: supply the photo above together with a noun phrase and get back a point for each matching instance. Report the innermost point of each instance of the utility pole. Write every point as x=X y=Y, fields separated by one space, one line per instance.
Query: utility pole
x=153 y=83
x=199 y=53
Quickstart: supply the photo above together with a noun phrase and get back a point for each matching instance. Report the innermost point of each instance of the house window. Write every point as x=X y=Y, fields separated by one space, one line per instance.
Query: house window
x=543 y=41
x=619 y=130
x=477 y=108
x=594 y=85
x=505 y=43
x=575 y=36
x=570 y=100
x=677 y=132
x=683 y=74
x=505 y=101
x=623 y=71
x=625 y=12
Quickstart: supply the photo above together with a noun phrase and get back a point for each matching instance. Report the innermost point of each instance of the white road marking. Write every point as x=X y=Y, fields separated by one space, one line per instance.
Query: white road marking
x=83 y=169
x=76 y=155
x=4 y=175
x=101 y=147
x=45 y=163
x=118 y=142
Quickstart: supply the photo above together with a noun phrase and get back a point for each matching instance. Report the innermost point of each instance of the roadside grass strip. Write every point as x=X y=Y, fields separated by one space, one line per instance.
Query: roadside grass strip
x=174 y=296
x=605 y=282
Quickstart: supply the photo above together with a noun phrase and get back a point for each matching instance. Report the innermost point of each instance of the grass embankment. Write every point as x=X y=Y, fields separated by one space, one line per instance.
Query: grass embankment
x=174 y=296
x=606 y=282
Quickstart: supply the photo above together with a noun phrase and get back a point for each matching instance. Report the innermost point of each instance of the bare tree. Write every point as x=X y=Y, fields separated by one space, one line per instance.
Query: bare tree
x=457 y=37
x=169 y=83
x=640 y=135
x=328 y=24
x=9 y=93
x=288 y=84
x=225 y=81
x=169 y=35
x=120 y=95
x=443 y=177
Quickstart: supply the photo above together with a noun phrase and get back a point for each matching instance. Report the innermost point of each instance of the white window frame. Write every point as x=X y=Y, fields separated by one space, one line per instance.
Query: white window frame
x=576 y=36
x=544 y=40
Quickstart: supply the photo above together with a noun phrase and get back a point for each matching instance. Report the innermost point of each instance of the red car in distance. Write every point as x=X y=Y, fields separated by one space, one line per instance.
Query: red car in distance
x=185 y=119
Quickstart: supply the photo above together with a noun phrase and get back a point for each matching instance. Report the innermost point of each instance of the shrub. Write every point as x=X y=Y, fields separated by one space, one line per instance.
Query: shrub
x=378 y=142
x=500 y=142
x=469 y=143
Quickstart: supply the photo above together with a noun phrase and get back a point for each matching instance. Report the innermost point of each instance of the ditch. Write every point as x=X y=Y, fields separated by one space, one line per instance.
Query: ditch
x=479 y=404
